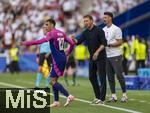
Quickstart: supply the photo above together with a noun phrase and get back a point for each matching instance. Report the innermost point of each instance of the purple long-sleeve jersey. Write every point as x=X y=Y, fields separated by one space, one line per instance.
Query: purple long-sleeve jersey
x=57 y=37
x=56 y=40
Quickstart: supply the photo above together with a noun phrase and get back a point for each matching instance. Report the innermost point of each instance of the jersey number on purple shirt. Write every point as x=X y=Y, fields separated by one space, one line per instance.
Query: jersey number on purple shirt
x=61 y=43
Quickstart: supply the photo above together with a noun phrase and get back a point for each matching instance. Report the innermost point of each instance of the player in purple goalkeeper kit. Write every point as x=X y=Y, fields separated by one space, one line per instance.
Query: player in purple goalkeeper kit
x=56 y=39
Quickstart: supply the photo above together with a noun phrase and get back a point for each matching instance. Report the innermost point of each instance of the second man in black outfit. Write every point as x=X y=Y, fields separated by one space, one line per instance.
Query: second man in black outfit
x=96 y=42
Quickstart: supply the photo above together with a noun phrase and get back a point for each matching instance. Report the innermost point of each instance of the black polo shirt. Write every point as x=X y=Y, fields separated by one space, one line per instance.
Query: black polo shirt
x=94 y=38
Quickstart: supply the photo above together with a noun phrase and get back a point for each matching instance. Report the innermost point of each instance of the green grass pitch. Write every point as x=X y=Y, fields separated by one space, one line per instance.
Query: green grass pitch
x=139 y=101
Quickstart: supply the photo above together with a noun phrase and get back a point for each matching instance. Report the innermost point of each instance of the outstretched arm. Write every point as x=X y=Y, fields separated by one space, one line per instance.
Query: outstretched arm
x=78 y=39
x=36 y=42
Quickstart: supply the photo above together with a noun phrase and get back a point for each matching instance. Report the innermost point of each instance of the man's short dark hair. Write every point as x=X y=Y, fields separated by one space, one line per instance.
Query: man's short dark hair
x=52 y=21
x=88 y=16
x=109 y=14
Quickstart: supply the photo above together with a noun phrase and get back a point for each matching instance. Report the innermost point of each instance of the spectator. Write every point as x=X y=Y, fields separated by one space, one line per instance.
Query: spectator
x=141 y=54
x=14 y=56
x=125 y=54
x=8 y=38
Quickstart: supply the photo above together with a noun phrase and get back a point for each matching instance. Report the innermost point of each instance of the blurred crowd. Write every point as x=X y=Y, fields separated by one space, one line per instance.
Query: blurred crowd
x=22 y=19
x=98 y=7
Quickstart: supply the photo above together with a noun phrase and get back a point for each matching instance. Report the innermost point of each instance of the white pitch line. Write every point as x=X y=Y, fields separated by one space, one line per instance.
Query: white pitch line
x=142 y=101
x=132 y=99
x=108 y=106
x=12 y=85
x=77 y=99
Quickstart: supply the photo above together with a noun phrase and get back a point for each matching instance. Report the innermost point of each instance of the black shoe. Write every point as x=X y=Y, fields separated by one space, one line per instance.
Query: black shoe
x=94 y=101
x=98 y=102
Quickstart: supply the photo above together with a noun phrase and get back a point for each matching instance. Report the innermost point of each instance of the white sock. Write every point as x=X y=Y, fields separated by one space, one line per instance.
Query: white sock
x=114 y=96
x=124 y=95
x=57 y=102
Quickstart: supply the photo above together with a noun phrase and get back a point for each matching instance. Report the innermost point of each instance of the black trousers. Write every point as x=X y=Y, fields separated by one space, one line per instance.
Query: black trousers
x=97 y=69
x=14 y=67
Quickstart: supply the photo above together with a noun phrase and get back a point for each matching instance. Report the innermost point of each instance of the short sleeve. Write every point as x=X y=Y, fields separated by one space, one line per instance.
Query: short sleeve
x=118 y=34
